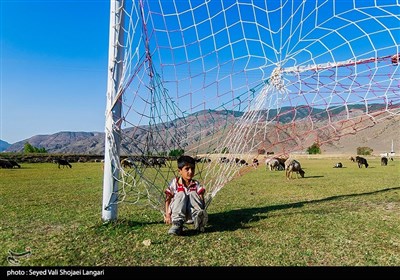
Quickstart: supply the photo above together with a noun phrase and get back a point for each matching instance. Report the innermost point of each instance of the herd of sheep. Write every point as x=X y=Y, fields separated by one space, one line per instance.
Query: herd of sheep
x=293 y=166
x=290 y=165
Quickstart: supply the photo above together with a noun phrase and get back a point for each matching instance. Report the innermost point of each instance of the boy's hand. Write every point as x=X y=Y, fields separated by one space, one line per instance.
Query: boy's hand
x=167 y=218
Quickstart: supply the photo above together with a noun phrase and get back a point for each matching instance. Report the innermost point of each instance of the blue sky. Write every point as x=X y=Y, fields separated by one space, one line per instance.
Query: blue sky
x=53 y=65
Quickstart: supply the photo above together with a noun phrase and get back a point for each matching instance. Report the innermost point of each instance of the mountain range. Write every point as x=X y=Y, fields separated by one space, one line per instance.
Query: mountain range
x=4 y=145
x=378 y=136
x=64 y=142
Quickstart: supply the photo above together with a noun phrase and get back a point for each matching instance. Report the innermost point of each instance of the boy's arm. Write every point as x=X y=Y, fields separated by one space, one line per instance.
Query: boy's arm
x=201 y=191
x=169 y=194
x=167 y=216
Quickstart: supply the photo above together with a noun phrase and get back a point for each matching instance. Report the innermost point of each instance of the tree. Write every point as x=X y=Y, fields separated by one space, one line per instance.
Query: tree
x=176 y=152
x=366 y=151
x=41 y=150
x=314 y=149
x=28 y=148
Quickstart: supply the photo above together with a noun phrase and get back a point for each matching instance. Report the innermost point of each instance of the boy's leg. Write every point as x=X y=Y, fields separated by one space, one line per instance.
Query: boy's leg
x=178 y=215
x=199 y=215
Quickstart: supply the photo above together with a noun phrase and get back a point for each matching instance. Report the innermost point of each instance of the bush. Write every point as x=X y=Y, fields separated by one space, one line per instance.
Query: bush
x=28 y=148
x=314 y=149
x=365 y=151
x=176 y=153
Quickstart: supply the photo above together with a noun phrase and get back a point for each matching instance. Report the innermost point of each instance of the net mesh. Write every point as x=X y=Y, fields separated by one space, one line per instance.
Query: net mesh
x=223 y=80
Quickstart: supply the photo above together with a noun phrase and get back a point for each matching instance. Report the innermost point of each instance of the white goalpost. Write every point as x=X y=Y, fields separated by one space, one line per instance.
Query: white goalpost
x=113 y=112
x=228 y=81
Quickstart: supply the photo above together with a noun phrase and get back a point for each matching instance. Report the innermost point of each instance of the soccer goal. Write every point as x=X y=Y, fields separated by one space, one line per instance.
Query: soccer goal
x=227 y=81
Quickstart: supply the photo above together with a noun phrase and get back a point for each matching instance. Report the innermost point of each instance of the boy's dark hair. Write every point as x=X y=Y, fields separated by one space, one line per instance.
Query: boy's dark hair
x=184 y=160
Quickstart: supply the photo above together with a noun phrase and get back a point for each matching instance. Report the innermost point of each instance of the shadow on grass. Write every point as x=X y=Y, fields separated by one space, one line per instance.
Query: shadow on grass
x=226 y=221
x=237 y=219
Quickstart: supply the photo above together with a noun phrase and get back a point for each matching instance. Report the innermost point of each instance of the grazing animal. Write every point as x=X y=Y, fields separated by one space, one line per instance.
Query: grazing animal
x=255 y=163
x=14 y=163
x=282 y=161
x=163 y=161
x=154 y=162
x=292 y=165
x=126 y=163
x=63 y=162
x=224 y=160
x=273 y=164
x=201 y=159
x=361 y=161
x=384 y=161
x=4 y=163
x=267 y=165
x=352 y=159
x=338 y=165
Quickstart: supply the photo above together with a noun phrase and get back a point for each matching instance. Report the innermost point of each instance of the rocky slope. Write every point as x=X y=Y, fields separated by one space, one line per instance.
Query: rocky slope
x=204 y=125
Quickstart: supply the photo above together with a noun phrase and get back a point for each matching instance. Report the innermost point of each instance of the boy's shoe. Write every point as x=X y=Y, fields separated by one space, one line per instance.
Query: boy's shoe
x=176 y=228
x=200 y=221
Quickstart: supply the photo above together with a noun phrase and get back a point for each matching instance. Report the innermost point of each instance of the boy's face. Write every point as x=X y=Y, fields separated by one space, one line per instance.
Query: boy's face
x=187 y=172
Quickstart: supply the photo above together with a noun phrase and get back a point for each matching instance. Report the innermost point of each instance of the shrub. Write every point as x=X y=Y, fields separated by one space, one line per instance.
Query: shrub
x=176 y=153
x=366 y=151
x=28 y=148
x=314 y=149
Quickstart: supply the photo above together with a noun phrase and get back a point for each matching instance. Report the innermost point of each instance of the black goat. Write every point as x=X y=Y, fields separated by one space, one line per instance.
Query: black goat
x=4 y=163
x=384 y=161
x=361 y=161
x=63 y=162
x=14 y=163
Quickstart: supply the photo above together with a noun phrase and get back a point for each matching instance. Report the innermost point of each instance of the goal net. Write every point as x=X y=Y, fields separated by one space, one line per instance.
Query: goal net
x=229 y=81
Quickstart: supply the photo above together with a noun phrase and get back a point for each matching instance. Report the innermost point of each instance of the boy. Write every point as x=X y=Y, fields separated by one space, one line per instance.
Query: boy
x=185 y=199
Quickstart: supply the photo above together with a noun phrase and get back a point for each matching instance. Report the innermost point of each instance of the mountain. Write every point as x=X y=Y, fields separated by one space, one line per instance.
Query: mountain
x=4 y=145
x=207 y=125
x=65 y=143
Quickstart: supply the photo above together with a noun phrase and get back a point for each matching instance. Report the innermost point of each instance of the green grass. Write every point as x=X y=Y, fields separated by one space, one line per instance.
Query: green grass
x=332 y=217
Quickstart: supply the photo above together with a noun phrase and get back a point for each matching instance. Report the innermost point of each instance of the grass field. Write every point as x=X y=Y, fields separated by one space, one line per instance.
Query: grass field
x=332 y=217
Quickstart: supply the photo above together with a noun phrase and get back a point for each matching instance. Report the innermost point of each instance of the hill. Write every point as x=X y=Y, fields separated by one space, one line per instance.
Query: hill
x=65 y=142
x=378 y=136
x=4 y=145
